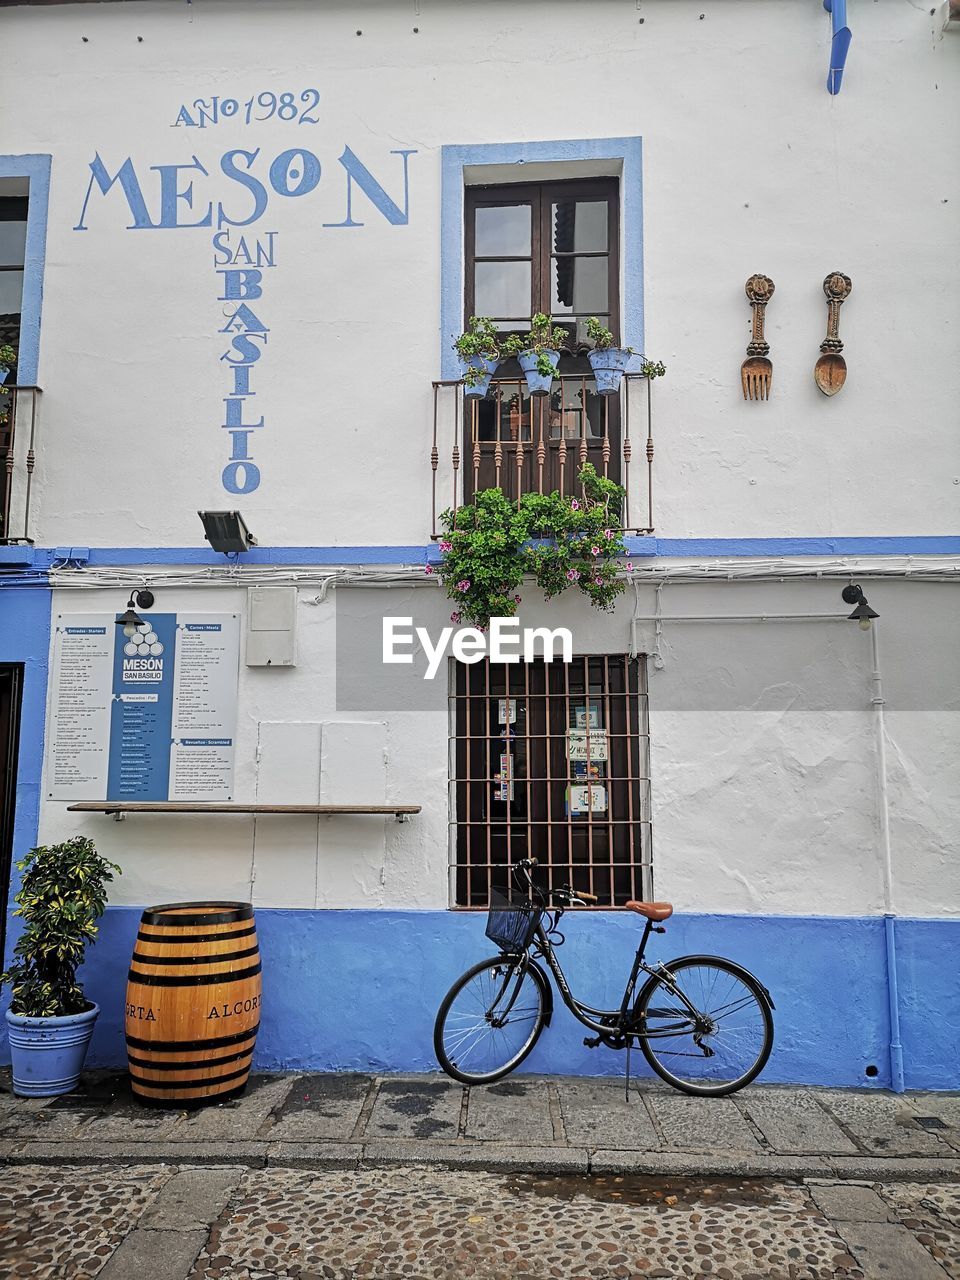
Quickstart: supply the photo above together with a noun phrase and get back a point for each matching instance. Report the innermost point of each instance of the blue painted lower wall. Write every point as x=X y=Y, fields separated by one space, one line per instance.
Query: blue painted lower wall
x=358 y=990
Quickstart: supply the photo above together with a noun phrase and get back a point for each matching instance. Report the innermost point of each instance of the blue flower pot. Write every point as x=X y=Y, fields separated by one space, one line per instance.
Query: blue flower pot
x=489 y=367
x=48 y=1053
x=3 y=374
x=538 y=384
x=609 y=367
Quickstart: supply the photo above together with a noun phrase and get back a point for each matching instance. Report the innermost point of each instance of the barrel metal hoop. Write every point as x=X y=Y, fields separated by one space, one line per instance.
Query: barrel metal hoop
x=180 y=1046
x=140 y=958
x=196 y=937
x=187 y=1084
x=234 y=911
x=192 y=980
x=196 y=1064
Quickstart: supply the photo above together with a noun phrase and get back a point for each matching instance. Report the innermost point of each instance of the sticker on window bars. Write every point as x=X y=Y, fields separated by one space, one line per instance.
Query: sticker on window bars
x=587 y=744
x=590 y=799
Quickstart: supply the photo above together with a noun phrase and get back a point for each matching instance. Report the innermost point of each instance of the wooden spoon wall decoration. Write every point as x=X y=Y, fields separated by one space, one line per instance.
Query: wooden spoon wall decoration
x=756 y=372
x=830 y=370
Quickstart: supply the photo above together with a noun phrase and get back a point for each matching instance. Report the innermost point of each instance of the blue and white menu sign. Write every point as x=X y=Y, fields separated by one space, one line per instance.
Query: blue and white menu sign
x=144 y=713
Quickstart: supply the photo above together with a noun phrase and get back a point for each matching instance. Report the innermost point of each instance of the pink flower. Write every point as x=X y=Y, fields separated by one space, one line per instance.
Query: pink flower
x=629 y=566
x=428 y=568
x=516 y=599
x=594 y=551
x=598 y=581
x=574 y=505
x=456 y=616
x=446 y=546
x=463 y=584
x=572 y=575
x=607 y=533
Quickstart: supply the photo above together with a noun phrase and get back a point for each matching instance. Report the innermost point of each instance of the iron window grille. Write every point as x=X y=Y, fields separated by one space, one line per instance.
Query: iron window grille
x=550 y=760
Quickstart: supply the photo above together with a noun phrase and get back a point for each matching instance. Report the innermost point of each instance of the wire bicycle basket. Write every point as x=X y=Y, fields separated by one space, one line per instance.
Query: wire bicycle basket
x=512 y=922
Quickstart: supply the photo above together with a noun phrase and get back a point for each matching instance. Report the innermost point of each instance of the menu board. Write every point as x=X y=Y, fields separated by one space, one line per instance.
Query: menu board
x=143 y=714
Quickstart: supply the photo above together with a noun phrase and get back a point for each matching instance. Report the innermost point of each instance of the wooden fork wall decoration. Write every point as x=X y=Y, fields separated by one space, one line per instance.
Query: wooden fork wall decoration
x=756 y=372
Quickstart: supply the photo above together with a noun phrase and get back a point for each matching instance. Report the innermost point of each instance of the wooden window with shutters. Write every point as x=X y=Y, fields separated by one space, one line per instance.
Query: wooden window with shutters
x=551 y=760
x=551 y=248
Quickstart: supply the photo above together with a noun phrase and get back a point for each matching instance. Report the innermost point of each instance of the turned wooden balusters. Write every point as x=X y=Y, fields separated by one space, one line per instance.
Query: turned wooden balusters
x=756 y=372
x=830 y=370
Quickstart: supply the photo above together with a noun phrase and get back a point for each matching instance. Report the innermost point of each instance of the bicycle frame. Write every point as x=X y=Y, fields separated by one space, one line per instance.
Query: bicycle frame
x=617 y=1021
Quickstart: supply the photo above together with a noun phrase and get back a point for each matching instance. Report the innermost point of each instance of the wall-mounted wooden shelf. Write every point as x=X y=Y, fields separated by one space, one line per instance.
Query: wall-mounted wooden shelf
x=120 y=808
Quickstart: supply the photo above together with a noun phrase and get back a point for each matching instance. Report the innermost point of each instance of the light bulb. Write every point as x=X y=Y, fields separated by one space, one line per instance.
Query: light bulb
x=129 y=630
x=864 y=624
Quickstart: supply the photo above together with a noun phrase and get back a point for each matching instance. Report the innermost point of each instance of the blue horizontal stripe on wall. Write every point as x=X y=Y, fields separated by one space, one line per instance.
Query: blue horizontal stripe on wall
x=358 y=990
x=41 y=558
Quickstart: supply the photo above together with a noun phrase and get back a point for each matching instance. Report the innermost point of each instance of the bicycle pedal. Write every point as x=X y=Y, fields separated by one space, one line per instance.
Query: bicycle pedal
x=592 y=1042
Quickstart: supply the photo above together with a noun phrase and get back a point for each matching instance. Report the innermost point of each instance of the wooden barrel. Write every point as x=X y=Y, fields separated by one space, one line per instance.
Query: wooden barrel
x=193 y=1002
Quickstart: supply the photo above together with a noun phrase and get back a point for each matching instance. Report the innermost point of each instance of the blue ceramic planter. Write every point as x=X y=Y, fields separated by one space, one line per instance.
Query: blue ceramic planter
x=609 y=366
x=538 y=384
x=48 y=1053
x=489 y=368
x=3 y=374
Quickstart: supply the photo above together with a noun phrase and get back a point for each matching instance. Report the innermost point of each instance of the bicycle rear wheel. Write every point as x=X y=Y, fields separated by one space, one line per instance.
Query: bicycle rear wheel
x=489 y=1020
x=719 y=1046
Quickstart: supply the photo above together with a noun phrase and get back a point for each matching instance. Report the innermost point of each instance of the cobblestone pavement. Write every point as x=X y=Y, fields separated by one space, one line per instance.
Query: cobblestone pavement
x=227 y=1223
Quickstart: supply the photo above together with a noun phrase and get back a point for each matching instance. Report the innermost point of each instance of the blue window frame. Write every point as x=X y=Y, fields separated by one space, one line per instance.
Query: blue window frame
x=35 y=169
x=512 y=162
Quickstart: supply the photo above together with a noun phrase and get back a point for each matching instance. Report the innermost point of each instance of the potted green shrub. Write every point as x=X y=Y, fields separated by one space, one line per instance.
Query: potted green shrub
x=8 y=358
x=538 y=352
x=479 y=350
x=50 y=1021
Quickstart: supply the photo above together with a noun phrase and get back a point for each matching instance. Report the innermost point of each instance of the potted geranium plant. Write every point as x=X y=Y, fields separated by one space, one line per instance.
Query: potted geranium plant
x=538 y=352
x=610 y=362
x=50 y=1021
x=8 y=358
x=479 y=350
x=492 y=544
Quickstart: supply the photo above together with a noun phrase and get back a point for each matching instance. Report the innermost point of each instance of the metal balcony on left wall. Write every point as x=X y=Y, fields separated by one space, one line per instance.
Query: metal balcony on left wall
x=19 y=415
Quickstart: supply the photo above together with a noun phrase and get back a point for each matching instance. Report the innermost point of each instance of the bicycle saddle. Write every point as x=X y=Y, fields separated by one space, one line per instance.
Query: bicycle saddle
x=652 y=910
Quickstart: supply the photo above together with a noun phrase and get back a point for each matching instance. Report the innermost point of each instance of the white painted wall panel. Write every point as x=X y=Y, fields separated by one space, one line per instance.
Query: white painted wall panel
x=748 y=165
x=763 y=772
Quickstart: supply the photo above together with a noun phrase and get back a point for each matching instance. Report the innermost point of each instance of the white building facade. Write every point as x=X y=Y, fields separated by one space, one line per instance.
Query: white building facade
x=240 y=240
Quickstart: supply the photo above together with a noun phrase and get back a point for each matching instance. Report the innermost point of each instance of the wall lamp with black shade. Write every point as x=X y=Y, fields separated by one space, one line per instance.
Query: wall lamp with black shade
x=863 y=614
x=226 y=531
x=130 y=620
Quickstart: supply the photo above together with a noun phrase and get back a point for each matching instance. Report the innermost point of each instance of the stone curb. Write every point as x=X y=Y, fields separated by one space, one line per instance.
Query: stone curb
x=491 y=1157
x=314 y=1155
x=724 y=1164
x=251 y=1154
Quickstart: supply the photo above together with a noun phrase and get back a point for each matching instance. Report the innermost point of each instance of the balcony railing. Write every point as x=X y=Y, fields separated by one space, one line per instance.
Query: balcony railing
x=519 y=443
x=19 y=407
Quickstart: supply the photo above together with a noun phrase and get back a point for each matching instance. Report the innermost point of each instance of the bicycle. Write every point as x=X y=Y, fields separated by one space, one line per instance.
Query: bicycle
x=703 y=1023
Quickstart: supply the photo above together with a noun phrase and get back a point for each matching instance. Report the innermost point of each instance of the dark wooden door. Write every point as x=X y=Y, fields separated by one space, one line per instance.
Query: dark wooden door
x=11 y=689
x=551 y=248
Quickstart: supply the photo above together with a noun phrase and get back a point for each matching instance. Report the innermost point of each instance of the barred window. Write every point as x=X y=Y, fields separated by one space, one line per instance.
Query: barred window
x=551 y=760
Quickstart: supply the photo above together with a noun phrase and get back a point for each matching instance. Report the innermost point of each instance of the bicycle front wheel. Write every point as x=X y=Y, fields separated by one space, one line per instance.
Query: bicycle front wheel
x=489 y=1020
x=708 y=1029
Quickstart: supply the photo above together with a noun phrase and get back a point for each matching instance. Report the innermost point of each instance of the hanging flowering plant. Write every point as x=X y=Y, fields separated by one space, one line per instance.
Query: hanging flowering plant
x=491 y=544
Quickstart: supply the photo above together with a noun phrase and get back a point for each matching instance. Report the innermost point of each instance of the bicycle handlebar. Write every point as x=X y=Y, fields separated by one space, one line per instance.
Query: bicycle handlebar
x=572 y=895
